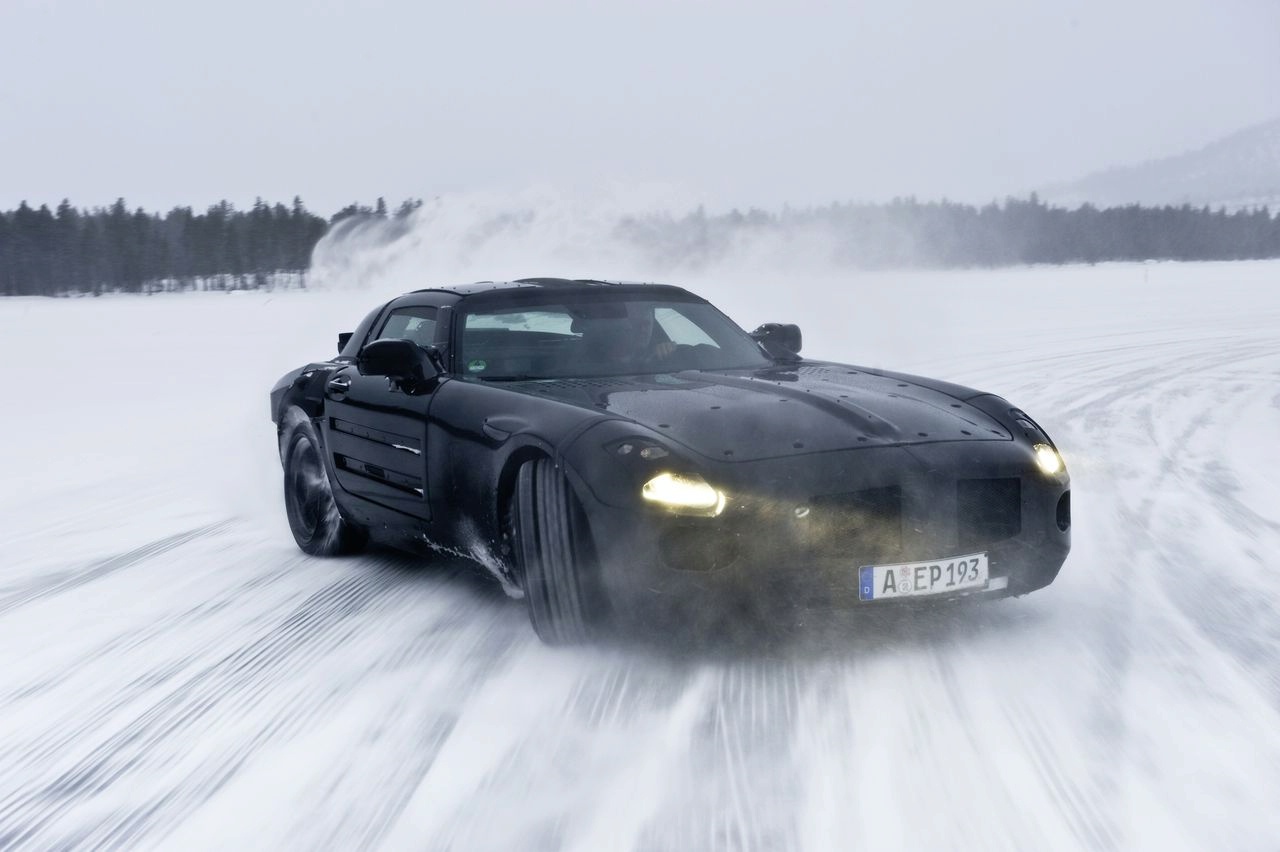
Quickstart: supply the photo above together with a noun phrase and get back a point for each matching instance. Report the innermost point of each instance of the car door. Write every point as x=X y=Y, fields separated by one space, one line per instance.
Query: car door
x=375 y=432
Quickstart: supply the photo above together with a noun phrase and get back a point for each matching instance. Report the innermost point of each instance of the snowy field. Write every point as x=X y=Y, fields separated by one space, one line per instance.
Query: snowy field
x=175 y=674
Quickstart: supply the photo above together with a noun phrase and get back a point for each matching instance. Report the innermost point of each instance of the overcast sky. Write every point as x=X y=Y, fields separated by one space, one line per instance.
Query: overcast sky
x=738 y=102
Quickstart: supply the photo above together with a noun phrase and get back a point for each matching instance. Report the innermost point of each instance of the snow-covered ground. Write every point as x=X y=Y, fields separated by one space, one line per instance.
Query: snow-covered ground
x=175 y=674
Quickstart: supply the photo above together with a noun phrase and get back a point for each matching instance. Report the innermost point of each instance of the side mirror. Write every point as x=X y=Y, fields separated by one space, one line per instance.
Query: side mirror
x=343 y=338
x=779 y=339
x=400 y=360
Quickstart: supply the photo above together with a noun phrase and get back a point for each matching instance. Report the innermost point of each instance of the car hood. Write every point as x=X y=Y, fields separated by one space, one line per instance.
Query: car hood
x=749 y=415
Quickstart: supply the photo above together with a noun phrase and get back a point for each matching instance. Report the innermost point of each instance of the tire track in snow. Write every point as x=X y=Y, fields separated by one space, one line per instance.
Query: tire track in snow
x=1159 y=406
x=1000 y=796
x=416 y=713
x=628 y=805
x=1093 y=395
x=1134 y=397
x=451 y=659
x=233 y=685
x=723 y=793
x=1084 y=811
x=65 y=581
x=65 y=724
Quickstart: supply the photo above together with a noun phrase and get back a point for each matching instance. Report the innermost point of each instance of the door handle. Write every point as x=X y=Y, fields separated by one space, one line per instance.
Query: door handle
x=339 y=385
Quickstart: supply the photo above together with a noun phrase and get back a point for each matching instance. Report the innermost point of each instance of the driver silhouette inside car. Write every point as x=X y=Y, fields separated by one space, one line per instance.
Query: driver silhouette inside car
x=625 y=340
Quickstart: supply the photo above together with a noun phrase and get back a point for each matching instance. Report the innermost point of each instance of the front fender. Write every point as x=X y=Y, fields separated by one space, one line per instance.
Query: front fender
x=304 y=388
x=614 y=479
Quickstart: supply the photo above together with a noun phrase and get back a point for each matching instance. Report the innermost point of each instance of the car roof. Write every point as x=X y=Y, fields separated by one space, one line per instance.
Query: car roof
x=531 y=283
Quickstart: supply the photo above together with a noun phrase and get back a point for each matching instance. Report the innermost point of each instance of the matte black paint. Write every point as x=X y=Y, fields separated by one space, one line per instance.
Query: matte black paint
x=802 y=449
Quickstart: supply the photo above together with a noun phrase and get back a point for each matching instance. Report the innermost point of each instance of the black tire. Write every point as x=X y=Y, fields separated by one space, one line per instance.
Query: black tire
x=553 y=556
x=317 y=526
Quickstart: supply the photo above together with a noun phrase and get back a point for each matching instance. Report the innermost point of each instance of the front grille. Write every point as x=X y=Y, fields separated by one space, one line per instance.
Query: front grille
x=988 y=510
x=865 y=523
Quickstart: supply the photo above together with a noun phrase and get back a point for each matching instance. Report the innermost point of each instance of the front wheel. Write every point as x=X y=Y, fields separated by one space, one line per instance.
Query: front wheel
x=553 y=553
x=317 y=526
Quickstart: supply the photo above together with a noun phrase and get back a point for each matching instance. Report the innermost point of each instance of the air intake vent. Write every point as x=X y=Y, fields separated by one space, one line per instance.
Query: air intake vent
x=866 y=524
x=988 y=510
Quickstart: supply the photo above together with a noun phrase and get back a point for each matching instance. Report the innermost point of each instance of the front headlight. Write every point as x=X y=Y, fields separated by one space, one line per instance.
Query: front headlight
x=684 y=493
x=1048 y=459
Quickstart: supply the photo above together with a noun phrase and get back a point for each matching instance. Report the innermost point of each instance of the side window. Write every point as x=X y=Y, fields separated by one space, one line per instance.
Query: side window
x=413 y=323
x=680 y=329
x=514 y=341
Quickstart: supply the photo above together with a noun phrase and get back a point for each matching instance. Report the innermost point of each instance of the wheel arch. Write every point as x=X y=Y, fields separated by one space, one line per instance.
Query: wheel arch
x=505 y=488
x=303 y=389
x=338 y=534
x=505 y=484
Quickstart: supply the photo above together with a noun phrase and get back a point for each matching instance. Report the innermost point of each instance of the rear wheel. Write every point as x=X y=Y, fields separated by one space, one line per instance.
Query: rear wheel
x=553 y=553
x=317 y=526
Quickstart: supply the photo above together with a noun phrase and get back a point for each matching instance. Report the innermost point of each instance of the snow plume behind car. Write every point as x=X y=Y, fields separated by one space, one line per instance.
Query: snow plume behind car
x=478 y=234
x=756 y=277
x=647 y=232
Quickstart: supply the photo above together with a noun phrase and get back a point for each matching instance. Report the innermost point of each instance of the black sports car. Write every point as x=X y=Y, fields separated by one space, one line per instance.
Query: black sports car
x=624 y=451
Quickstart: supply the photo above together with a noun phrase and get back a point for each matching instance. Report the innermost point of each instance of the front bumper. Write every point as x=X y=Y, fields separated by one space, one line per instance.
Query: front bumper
x=796 y=531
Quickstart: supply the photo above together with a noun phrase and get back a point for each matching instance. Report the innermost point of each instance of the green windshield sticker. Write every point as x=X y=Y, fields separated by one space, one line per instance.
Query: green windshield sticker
x=476 y=366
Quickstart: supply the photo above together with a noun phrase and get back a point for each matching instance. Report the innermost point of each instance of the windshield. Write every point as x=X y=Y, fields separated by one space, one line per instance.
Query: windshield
x=591 y=335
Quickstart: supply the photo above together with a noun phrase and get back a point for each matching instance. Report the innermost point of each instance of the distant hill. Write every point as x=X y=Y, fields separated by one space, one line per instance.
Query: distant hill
x=1241 y=170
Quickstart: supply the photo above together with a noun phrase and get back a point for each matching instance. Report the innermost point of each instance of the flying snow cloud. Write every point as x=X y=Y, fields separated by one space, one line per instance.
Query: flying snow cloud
x=486 y=235
x=617 y=232
x=754 y=266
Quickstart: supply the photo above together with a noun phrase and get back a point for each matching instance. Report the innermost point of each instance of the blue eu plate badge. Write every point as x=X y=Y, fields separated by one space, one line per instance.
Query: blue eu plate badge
x=866 y=583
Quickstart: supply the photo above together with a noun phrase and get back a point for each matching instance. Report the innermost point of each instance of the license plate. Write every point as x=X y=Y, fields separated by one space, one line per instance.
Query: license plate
x=917 y=579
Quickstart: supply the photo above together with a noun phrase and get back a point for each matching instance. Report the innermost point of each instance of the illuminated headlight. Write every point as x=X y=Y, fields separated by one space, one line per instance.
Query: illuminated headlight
x=688 y=494
x=1048 y=459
